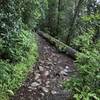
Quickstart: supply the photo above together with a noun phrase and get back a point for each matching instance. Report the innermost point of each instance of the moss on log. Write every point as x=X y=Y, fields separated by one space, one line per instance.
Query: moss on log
x=59 y=45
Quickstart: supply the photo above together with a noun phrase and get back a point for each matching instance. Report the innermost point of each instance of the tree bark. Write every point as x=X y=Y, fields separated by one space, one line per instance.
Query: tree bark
x=52 y=16
x=58 y=19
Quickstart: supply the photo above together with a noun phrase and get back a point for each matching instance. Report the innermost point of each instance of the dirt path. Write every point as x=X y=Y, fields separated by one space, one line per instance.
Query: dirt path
x=45 y=83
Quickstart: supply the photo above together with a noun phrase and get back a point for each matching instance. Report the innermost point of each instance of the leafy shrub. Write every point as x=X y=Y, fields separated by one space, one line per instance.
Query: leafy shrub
x=17 y=43
x=12 y=74
x=33 y=12
x=85 y=84
x=5 y=70
x=18 y=48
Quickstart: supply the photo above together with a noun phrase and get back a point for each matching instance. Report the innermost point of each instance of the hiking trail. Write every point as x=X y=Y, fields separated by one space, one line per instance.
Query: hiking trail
x=45 y=82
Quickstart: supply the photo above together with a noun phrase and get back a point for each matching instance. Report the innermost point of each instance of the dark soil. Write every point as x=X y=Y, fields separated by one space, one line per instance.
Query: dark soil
x=45 y=82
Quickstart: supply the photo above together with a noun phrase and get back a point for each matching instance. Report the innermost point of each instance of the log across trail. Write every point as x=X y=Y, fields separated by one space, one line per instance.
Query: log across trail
x=59 y=45
x=45 y=82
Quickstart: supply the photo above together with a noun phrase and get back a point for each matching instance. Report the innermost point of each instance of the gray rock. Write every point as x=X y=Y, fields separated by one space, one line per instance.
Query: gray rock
x=46 y=73
x=37 y=76
x=66 y=70
x=64 y=73
x=54 y=92
x=39 y=80
x=45 y=89
x=41 y=68
x=35 y=84
x=42 y=94
x=67 y=67
x=47 y=82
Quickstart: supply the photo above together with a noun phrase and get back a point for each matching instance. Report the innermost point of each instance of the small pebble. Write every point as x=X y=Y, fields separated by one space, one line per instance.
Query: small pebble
x=39 y=80
x=64 y=73
x=53 y=92
x=47 y=82
x=67 y=67
x=42 y=94
x=37 y=76
x=65 y=70
x=46 y=73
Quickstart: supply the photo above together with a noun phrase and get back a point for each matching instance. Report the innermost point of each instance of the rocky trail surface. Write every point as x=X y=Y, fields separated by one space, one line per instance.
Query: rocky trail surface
x=45 y=82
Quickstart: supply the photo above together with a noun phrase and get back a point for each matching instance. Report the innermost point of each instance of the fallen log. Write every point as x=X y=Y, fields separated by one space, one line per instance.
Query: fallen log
x=59 y=45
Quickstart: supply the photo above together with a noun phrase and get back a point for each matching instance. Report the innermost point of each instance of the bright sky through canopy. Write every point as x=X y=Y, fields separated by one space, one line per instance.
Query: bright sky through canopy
x=98 y=0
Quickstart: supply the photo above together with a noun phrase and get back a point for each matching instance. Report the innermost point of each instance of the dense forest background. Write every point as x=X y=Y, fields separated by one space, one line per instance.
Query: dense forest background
x=76 y=23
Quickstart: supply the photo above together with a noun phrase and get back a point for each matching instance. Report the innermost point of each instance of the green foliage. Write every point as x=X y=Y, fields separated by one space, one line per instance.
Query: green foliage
x=10 y=19
x=12 y=48
x=18 y=47
x=84 y=40
x=10 y=26
x=5 y=70
x=89 y=22
x=33 y=12
x=64 y=18
x=85 y=84
x=12 y=75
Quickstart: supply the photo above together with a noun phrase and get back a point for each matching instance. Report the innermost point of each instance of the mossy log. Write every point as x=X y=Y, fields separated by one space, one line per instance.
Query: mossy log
x=59 y=45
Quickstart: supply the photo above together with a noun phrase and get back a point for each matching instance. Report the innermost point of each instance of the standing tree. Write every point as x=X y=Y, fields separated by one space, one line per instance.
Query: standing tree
x=73 y=21
x=52 y=16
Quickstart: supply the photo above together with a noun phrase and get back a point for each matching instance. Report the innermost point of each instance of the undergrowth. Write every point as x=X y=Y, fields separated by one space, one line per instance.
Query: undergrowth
x=85 y=85
x=13 y=70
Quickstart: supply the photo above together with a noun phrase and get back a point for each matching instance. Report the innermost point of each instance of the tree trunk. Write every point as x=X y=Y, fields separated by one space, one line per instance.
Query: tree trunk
x=52 y=16
x=71 y=31
x=58 y=19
